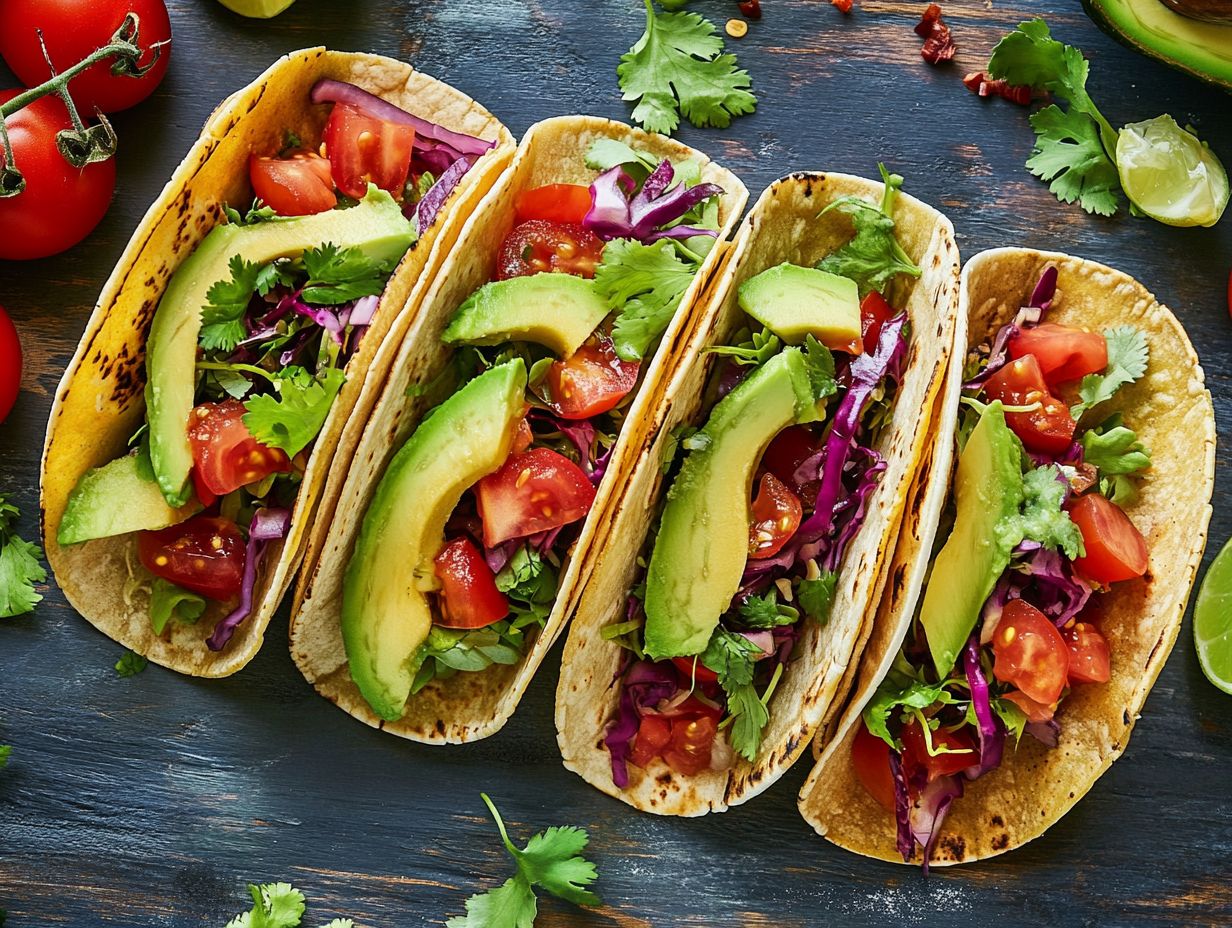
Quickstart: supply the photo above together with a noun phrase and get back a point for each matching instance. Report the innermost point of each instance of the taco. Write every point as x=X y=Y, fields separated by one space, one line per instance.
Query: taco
x=1009 y=679
x=470 y=510
x=192 y=433
x=729 y=596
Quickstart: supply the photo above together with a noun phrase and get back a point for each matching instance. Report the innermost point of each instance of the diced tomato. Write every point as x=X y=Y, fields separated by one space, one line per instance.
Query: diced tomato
x=532 y=492
x=554 y=202
x=366 y=149
x=1089 y=661
x=298 y=184
x=874 y=313
x=591 y=380
x=957 y=750
x=204 y=554
x=1048 y=429
x=784 y=455
x=692 y=707
x=653 y=734
x=1064 y=353
x=537 y=245
x=1030 y=653
x=1115 y=549
x=692 y=668
x=692 y=740
x=776 y=516
x=870 y=756
x=225 y=455
x=1034 y=711
x=469 y=597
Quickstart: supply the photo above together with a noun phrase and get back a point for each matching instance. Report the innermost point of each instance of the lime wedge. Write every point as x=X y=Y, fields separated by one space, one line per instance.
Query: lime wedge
x=1171 y=175
x=1213 y=621
x=257 y=9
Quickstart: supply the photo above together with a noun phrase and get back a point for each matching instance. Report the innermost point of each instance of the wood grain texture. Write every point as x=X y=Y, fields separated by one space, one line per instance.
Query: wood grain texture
x=151 y=801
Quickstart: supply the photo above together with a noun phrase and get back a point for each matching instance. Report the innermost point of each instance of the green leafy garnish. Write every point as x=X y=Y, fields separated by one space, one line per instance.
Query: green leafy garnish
x=731 y=656
x=1114 y=450
x=816 y=595
x=1069 y=155
x=222 y=319
x=278 y=905
x=1042 y=518
x=168 y=601
x=1128 y=355
x=529 y=583
x=604 y=154
x=767 y=612
x=340 y=275
x=677 y=68
x=258 y=212
x=750 y=348
x=5 y=751
x=1014 y=719
x=872 y=257
x=819 y=362
x=895 y=694
x=130 y=664
x=643 y=284
x=551 y=861
x=19 y=566
x=293 y=418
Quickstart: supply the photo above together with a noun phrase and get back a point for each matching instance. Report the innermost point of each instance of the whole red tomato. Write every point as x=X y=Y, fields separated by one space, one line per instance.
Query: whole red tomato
x=61 y=203
x=10 y=364
x=72 y=29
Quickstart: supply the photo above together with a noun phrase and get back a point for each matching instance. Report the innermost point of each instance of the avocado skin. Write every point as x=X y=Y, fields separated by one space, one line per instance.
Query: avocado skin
x=115 y=499
x=375 y=225
x=386 y=616
x=989 y=493
x=1202 y=49
x=703 y=541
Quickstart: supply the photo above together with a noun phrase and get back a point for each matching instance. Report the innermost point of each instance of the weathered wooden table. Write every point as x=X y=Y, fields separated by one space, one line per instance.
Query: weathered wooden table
x=152 y=800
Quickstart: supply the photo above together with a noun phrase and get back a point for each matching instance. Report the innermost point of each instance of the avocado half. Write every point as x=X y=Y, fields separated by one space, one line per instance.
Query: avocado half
x=1203 y=49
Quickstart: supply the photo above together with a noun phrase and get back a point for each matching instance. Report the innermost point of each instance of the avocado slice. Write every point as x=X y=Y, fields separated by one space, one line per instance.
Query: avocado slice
x=794 y=302
x=1203 y=49
x=989 y=493
x=559 y=311
x=375 y=225
x=703 y=540
x=385 y=614
x=115 y=499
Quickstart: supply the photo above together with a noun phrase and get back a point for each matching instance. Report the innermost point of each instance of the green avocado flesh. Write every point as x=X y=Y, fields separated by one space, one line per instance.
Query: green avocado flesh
x=375 y=225
x=794 y=302
x=115 y=499
x=988 y=493
x=1201 y=48
x=703 y=542
x=559 y=311
x=386 y=616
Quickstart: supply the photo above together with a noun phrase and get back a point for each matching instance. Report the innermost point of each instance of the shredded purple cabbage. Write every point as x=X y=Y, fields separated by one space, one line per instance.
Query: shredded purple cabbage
x=928 y=812
x=617 y=212
x=1045 y=290
x=850 y=512
x=992 y=734
x=267 y=525
x=1047 y=733
x=363 y=310
x=1055 y=588
x=902 y=807
x=1030 y=315
x=428 y=208
x=645 y=685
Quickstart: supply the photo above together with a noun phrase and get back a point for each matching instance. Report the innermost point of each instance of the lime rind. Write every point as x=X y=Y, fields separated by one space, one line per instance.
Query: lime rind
x=1169 y=174
x=1213 y=621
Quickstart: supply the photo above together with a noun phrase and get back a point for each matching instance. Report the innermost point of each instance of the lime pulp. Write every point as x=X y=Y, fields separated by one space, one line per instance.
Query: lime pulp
x=257 y=9
x=1169 y=174
x=1213 y=621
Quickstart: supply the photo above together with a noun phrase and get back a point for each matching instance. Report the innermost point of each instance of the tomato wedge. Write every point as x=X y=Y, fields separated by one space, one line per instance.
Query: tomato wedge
x=554 y=202
x=692 y=740
x=1115 y=549
x=469 y=596
x=653 y=734
x=590 y=381
x=1048 y=429
x=1064 y=352
x=297 y=184
x=874 y=313
x=1030 y=653
x=532 y=492
x=204 y=554
x=366 y=149
x=956 y=750
x=784 y=455
x=1089 y=661
x=870 y=756
x=538 y=245
x=225 y=455
x=1034 y=711
x=776 y=516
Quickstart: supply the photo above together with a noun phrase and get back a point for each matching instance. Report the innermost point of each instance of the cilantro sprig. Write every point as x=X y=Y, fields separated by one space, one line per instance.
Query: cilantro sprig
x=551 y=861
x=277 y=905
x=292 y=418
x=1117 y=454
x=130 y=664
x=1128 y=355
x=19 y=566
x=644 y=284
x=731 y=657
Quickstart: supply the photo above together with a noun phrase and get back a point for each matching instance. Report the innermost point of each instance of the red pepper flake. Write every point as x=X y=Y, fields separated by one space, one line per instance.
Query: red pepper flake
x=751 y=8
x=979 y=83
x=938 y=43
x=844 y=6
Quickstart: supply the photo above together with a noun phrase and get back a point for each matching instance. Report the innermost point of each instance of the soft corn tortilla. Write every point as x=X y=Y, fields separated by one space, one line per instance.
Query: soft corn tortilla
x=1171 y=411
x=785 y=225
x=469 y=706
x=100 y=401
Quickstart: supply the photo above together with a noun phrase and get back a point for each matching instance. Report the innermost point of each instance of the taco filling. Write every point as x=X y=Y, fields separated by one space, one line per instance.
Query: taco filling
x=248 y=351
x=462 y=548
x=770 y=493
x=1009 y=621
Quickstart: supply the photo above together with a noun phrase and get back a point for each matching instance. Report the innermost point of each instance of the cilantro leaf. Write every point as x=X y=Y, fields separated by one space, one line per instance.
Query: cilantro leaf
x=643 y=284
x=337 y=276
x=529 y=582
x=168 y=601
x=1069 y=155
x=275 y=905
x=258 y=212
x=5 y=751
x=130 y=664
x=819 y=362
x=730 y=656
x=816 y=596
x=19 y=567
x=604 y=154
x=1042 y=518
x=551 y=860
x=891 y=695
x=222 y=319
x=1128 y=355
x=872 y=257
x=750 y=348
x=767 y=612
x=1115 y=451
x=677 y=68
x=341 y=923
x=293 y=418
x=1014 y=719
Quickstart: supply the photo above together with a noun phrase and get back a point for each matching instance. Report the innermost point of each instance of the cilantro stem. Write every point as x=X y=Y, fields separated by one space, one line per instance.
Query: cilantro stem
x=774 y=682
x=499 y=824
x=246 y=368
